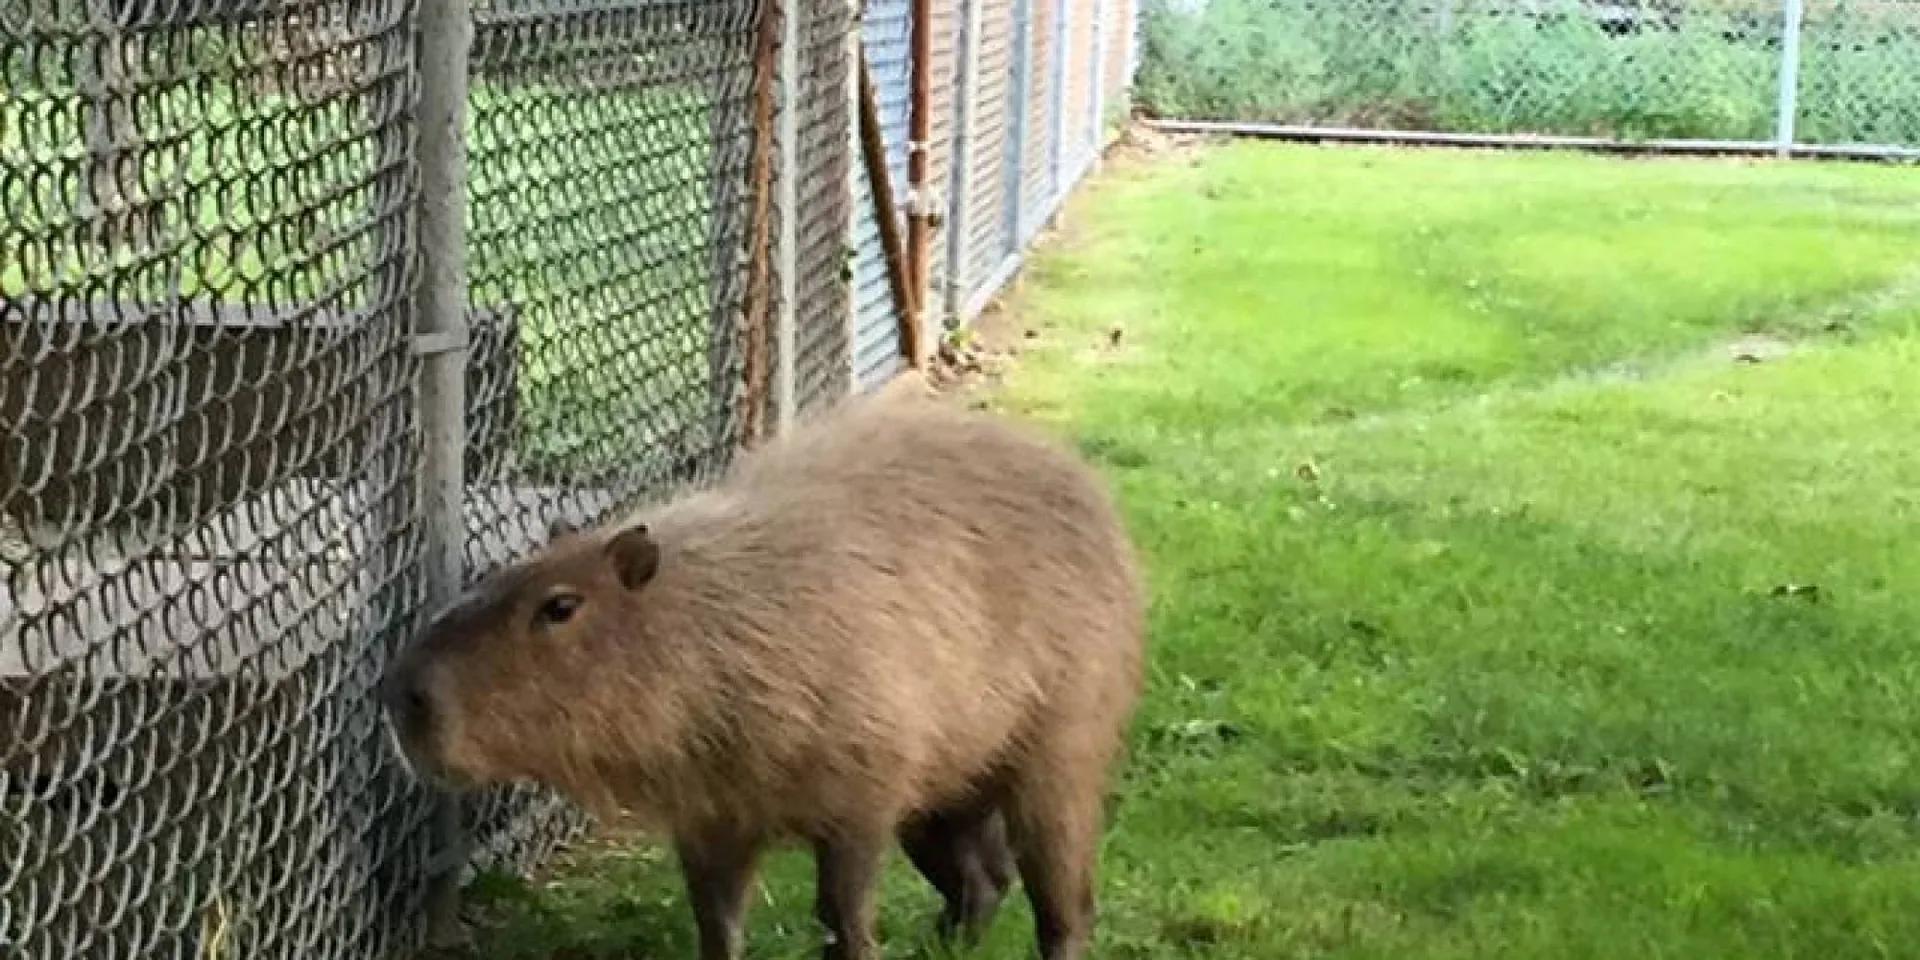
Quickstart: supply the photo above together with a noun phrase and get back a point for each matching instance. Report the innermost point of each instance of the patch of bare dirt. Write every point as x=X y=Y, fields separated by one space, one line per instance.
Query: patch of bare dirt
x=1140 y=143
x=1758 y=348
x=979 y=356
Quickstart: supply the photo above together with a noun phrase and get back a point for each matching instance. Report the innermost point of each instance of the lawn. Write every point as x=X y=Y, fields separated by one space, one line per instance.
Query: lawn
x=1531 y=539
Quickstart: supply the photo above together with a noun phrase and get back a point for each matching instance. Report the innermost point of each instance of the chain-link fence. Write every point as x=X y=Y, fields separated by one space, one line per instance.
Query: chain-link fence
x=231 y=299
x=610 y=147
x=1837 y=74
x=205 y=390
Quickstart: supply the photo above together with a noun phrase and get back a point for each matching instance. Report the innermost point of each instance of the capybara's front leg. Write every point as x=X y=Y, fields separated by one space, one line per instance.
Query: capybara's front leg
x=718 y=872
x=847 y=869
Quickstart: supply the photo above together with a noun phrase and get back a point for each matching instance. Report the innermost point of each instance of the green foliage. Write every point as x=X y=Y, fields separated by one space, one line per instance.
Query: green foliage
x=1473 y=65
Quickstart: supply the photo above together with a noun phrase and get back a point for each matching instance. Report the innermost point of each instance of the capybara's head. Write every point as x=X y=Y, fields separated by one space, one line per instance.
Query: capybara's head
x=505 y=683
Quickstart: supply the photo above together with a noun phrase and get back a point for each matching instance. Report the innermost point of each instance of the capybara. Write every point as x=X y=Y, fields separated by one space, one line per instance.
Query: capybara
x=902 y=620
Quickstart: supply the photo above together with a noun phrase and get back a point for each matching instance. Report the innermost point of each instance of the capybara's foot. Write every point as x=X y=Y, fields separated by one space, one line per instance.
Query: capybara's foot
x=717 y=874
x=846 y=870
x=1056 y=835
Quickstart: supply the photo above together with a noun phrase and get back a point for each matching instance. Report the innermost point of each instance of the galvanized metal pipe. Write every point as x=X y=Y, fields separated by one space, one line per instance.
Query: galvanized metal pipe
x=1788 y=111
x=1018 y=112
x=919 y=205
x=960 y=198
x=446 y=39
x=787 y=244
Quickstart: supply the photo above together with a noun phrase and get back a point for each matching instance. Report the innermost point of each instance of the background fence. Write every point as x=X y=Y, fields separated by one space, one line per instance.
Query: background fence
x=1835 y=76
x=311 y=310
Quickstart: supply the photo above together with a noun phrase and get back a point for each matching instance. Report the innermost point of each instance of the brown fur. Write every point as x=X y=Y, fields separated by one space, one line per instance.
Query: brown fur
x=904 y=621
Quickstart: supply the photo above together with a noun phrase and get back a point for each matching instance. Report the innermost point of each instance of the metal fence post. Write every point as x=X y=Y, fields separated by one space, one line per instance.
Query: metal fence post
x=960 y=197
x=1097 y=76
x=1062 y=49
x=850 y=224
x=446 y=39
x=1789 y=107
x=787 y=202
x=1016 y=153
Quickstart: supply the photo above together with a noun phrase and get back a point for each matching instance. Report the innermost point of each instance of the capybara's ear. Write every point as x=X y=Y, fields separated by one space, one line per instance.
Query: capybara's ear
x=636 y=556
x=560 y=527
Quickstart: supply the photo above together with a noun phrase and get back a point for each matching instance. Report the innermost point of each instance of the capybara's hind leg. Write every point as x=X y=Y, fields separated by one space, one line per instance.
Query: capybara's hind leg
x=995 y=852
x=1055 y=818
x=717 y=875
x=846 y=871
x=965 y=855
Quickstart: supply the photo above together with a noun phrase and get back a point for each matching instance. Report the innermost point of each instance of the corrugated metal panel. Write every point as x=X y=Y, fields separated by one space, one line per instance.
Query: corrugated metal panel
x=1059 y=55
x=1120 y=17
x=886 y=31
x=822 y=349
x=1076 y=131
x=942 y=76
x=1014 y=145
x=988 y=242
x=1037 y=169
x=1102 y=13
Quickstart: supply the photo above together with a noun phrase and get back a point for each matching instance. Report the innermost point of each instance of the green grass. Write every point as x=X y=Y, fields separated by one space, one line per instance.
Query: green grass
x=588 y=213
x=1481 y=622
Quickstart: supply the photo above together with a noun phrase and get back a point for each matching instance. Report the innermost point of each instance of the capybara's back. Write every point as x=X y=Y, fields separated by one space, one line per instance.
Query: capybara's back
x=903 y=619
x=973 y=577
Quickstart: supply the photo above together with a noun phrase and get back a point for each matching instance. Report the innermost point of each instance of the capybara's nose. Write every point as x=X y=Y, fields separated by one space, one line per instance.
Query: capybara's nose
x=402 y=696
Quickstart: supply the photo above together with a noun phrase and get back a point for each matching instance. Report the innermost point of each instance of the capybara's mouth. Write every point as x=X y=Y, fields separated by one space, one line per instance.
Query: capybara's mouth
x=406 y=715
x=418 y=760
x=397 y=747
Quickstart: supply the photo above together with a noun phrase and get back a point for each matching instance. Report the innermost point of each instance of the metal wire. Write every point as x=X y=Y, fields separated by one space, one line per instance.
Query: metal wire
x=1706 y=70
x=823 y=373
x=608 y=183
x=212 y=532
x=204 y=390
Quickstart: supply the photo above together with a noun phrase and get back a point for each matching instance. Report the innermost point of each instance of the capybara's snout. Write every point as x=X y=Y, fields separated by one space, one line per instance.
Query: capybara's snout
x=404 y=698
x=407 y=714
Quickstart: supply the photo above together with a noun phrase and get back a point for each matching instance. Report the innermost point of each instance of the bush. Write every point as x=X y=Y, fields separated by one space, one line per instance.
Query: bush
x=1477 y=65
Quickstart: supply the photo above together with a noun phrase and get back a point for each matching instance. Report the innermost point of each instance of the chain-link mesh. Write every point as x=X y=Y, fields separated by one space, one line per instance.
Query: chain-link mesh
x=991 y=146
x=1626 y=69
x=610 y=146
x=947 y=23
x=205 y=484
x=211 y=529
x=1037 y=181
x=822 y=369
x=1860 y=73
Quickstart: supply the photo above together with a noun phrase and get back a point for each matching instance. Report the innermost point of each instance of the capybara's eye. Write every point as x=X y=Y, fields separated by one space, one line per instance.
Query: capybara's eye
x=559 y=608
